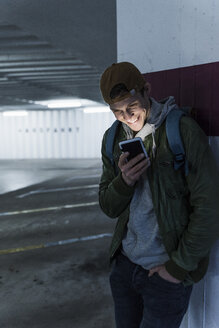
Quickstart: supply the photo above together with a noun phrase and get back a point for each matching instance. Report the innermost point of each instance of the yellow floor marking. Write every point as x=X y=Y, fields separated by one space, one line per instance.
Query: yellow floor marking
x=56 y=243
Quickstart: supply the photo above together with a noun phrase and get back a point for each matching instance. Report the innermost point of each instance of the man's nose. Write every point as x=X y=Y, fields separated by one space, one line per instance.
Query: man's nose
x=127 y=116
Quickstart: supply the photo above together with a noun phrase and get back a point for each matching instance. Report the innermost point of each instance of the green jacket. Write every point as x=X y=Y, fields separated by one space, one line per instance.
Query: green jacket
x=187 y=208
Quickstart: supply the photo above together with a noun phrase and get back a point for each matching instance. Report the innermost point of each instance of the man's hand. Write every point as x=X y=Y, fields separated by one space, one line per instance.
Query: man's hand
x=132 y=170
x=161 y=270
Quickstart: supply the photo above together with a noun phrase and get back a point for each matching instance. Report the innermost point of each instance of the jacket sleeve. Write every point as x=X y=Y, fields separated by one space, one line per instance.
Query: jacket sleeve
x=114 y=194
x=203 y=183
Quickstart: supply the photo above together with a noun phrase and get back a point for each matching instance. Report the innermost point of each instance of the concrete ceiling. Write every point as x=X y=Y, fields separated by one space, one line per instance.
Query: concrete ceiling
x=53 y=49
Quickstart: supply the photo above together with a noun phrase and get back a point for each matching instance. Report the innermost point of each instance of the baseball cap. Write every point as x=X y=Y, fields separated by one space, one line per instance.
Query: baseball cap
x=125 y=73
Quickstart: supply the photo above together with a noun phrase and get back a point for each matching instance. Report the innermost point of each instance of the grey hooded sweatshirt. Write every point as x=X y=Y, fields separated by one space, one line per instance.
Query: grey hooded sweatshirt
x=142 y=243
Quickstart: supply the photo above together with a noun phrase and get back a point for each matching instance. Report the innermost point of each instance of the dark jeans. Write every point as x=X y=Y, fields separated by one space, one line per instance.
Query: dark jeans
x=146 y=302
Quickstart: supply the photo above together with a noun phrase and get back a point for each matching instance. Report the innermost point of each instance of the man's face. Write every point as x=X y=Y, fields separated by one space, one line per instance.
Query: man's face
x=132 y=111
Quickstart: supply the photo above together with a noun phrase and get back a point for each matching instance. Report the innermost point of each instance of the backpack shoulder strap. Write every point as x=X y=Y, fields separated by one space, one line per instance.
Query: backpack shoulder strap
x=175 y=140
x=110 y=141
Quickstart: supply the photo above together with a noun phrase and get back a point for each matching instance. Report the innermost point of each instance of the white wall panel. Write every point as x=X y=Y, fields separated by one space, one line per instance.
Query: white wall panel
x=53 y=134
x=77 y=128
x=48 y=136
x=71 y=134
x=27 y=147
x=62 y=120
x=12 y=137
x=159 y=35
x=89 y=130
x=40 y=135
x=55 y=120
x=33 y=123
x=7 y=137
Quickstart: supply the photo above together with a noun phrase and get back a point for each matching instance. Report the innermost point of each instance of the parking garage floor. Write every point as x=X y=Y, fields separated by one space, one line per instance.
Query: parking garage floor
x=53 y=246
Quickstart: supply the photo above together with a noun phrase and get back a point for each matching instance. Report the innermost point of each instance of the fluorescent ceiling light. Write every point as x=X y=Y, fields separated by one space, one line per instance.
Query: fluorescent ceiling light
x=60 y=103
x=88 y=106
x=15 y=113
x=64 y=104
x=98 y=109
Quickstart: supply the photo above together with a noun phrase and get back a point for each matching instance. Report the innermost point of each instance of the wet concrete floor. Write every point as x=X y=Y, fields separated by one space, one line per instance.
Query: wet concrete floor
x=59 y=286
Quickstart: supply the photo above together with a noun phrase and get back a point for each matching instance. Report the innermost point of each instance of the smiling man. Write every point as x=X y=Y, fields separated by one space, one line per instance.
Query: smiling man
x=134 y=110
x=167 y=222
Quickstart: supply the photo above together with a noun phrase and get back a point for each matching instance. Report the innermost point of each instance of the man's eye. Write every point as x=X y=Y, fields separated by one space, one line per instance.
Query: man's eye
x=118 y=113
x=133 y=108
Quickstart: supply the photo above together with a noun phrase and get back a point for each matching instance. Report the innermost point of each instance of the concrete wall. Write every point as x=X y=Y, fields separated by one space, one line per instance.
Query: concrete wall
x=53 y=134
x=159 y=35
x=176 y=45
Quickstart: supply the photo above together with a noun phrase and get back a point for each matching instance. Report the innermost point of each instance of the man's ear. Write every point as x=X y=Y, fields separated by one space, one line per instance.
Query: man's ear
x=147 y=88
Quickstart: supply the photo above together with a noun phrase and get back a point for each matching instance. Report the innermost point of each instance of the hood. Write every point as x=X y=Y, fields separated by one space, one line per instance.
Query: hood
x=160 y=110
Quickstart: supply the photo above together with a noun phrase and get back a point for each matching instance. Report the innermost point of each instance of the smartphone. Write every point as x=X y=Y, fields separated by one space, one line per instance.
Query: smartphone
x=134 y=147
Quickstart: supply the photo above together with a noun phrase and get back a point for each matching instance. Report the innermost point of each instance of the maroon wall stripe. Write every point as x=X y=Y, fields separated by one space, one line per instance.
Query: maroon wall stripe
x=196 y=86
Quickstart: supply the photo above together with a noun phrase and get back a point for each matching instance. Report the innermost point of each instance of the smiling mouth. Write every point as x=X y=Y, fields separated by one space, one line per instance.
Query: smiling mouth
x=133 y=121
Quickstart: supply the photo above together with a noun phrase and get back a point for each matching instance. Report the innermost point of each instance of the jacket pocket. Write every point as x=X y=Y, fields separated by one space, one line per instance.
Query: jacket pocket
x=172 y=182
x=173 y=195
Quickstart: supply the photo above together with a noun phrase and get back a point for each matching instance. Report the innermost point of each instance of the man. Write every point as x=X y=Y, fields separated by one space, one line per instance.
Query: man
x=167 y=220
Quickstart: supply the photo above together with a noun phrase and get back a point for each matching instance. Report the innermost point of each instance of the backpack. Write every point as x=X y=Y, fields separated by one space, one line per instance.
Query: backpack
x=173 y=137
